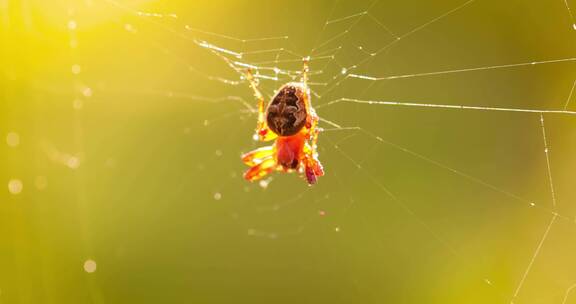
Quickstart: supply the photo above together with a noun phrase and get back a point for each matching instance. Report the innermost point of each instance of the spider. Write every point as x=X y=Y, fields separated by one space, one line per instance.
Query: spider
x=290 y=120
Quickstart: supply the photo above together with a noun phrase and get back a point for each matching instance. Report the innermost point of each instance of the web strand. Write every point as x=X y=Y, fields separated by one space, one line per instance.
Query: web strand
x=534 y=256
x=516 y=198
x=397 y=201
x=398 y=39
x=238 y=59
x=358 y=17
x=570 y=14
x=548 y=170
x=568 y=292
x=442 y=106
x=555 y=215
x=569 y=96
x=493 y=67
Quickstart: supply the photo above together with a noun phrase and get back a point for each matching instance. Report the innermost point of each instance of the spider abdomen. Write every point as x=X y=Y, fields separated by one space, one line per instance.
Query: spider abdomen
x=286 y=113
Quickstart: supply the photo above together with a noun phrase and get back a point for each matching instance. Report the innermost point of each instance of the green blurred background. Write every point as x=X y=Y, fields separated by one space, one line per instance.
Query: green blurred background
x=121 y=171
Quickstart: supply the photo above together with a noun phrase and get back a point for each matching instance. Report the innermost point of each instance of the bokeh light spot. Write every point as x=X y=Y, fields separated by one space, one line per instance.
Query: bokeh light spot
x=41 y=182
x=13 y=139
x=90 y=266
x=76 y=69
x=77 y=104
x=72 y=25
x=15 y=186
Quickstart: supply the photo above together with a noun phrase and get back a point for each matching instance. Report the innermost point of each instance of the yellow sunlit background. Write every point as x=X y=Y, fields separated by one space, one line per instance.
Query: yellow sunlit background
x=448 y=144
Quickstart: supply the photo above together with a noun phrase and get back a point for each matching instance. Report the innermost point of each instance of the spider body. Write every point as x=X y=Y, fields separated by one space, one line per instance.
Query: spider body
x=286 y=113
x=289 y=150
x=291 y=121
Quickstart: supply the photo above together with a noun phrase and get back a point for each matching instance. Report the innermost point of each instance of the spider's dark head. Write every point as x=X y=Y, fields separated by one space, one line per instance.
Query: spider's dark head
x=286 y=113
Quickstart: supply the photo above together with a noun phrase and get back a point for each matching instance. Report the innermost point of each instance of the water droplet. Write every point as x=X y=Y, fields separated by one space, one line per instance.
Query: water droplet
x=264 y=183
x=574 y=26
x=217 y=196
x=15 y=186
x=344 y=71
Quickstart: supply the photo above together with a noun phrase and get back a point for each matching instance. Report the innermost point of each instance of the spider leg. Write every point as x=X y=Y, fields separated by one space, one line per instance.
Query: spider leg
x=312 y=166
x=305 y=71
x=262 y=131
x=260 y=98
x=260 y=170
x=257 y=156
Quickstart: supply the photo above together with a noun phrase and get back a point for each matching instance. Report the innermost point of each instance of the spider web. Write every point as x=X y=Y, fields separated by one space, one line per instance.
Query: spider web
x=447 y=132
